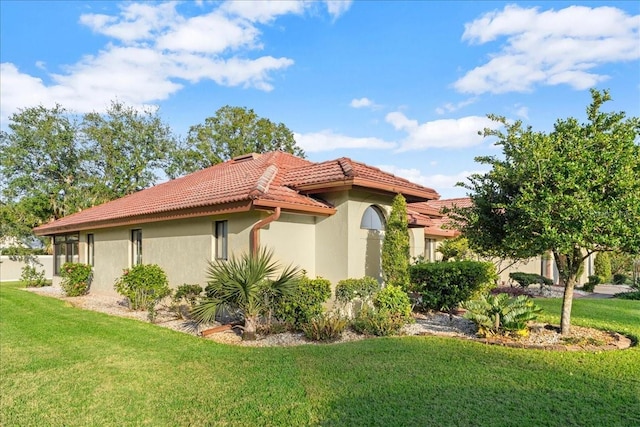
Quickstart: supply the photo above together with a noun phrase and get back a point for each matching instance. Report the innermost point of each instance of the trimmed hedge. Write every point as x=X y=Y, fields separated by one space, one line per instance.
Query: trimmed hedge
x=524 y=280
x=349 y=289
x=444 y=286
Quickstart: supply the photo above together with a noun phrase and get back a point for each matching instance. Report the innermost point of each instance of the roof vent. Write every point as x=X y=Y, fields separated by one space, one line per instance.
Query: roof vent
x=245 y=157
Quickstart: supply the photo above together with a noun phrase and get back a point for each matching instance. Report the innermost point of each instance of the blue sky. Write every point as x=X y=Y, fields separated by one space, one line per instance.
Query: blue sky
x=404 y=86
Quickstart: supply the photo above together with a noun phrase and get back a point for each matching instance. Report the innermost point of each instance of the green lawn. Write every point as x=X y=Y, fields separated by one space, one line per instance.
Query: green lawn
x=65 y=366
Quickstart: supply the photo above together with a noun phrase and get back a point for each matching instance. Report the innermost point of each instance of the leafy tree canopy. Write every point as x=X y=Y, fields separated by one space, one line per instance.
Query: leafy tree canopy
x=231 y=132
x=572 y=191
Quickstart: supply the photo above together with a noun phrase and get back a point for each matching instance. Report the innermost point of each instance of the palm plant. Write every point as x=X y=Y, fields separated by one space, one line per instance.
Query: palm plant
x=247 y=284
x=495 y=314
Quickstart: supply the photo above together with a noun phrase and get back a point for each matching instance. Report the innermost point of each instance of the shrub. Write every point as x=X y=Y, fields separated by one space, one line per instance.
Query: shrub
x=395 y=246
x=524 y=280
x=374 y=321
x=304 y=303
x=499 y=314
x=456 y=249
x=349 y=289
x=325 y=327
x=32 y=278
x=444 y=285
x=629 y=295
x=620 y=279
x=394 y=300
x=143 y=285
x=602 y=265
x=75 y=278
x=188 y=293
x=591 y=284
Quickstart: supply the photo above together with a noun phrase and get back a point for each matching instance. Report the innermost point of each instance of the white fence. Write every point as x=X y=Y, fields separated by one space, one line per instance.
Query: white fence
x=11 y=266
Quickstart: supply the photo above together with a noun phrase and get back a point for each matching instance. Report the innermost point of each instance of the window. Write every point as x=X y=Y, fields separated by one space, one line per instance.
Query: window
x=65 y=249
x=372 y=219
x=90 y=257
x=221 y=239
x=136 y=247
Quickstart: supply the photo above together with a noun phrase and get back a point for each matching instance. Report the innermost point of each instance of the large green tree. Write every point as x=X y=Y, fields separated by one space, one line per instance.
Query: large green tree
x=231 y=132
x=573 y=191
x=395 y=247
x=129 y=148
x=43 y=168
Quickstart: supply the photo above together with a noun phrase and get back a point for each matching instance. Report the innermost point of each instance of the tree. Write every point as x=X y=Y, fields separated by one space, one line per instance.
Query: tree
x=573 y=191
x=43 y=168
x=395 y=247
x=128 y=148
x=246 y=283
x=231 y=132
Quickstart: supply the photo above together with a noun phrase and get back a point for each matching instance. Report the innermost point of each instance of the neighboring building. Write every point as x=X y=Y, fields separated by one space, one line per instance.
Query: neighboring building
x=543 y=265
x=328 y=218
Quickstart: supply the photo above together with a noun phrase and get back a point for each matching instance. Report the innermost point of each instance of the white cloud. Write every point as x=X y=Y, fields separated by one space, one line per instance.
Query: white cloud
x=326 y=140
x=337 y=7
x=154 y=51
x=521 y=111
x=450 y=107
x=450 y=133
x=443 y=184
x=549 y=48
x=364 y=103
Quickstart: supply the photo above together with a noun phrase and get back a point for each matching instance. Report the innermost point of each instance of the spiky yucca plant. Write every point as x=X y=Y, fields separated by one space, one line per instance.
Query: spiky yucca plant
x=248 y=283
x=499 y=314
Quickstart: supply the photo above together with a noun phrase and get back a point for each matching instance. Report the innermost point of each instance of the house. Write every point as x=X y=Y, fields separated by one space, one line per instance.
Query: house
x=328 y=218
x=543 y=265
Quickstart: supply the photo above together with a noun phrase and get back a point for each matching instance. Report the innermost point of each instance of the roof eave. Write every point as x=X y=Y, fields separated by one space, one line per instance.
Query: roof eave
x=202 y=211
x=293 y=207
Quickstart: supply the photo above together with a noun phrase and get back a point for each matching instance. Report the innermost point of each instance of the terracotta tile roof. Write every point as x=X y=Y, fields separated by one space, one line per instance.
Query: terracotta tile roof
x=346 y=172
x=254 y=180
x=439 y=221
x=461 y=202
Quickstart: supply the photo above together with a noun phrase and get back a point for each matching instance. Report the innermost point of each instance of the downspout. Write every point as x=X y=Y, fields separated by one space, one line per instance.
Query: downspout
x=255 y=230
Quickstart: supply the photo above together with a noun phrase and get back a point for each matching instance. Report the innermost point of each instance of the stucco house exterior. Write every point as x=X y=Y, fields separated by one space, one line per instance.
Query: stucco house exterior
x=328 y=218
x=543 y=265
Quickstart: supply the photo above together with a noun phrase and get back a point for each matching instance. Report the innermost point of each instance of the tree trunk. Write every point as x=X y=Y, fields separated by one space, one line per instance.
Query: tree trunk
x=249 y=332
x=568 y=266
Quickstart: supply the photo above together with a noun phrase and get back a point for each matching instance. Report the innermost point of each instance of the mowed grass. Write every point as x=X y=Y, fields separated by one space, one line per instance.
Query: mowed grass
x=64 y=366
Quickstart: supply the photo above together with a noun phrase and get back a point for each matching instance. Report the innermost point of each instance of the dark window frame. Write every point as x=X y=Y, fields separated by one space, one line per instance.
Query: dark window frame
x=221 y=234
x=91 y=249
x=136 y=247
x=66 y=245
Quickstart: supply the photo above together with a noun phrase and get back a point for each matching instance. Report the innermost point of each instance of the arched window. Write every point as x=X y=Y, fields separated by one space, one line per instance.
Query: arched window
x=372 y=219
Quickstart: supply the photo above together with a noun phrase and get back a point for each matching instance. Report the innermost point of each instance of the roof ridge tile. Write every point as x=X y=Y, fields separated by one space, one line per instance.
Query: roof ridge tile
x=262 y=184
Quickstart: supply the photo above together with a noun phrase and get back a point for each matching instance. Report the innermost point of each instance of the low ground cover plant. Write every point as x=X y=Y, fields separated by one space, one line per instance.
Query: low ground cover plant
x=76 y=278
x=629 y=295
x=591 y=284
x=501 y=315
x=443 y=286
x=185 y=299
x=144 y=286
x=325 y=327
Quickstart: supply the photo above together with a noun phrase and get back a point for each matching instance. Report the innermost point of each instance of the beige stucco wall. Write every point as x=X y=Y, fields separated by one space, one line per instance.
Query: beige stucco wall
x=293 y=240
x=11 y=267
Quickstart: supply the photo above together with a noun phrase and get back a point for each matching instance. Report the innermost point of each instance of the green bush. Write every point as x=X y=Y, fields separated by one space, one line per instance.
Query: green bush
x=143 y=285
x=602 y=265
x=304 y=303
x=325 y=327
x=629 y=295
x=591 y=284
x=32 y=278
x=524 y=280
x=499 y=314
x=394 y=300
x=374 y=321
x=76 y=278
x=349 y=289
x=444 y=285
x=620 y=279
x=188 y=293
